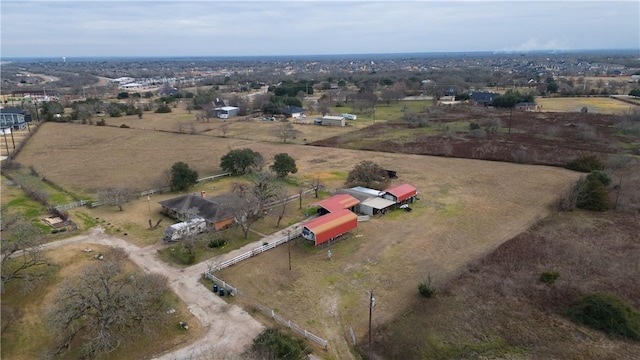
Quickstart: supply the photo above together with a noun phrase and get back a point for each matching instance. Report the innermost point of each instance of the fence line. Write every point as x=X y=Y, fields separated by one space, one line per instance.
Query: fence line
x=73 y=205
x=318 y=340
x=254 y=252
x=223 y=284
x=213 y=177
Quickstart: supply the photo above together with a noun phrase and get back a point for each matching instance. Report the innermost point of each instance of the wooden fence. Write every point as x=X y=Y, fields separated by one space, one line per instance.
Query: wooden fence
x=272 y=314
x=294 y=234
x=73 y=205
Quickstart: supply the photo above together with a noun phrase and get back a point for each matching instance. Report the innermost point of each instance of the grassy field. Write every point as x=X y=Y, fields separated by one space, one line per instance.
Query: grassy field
x=601 y=105
x=466 y=209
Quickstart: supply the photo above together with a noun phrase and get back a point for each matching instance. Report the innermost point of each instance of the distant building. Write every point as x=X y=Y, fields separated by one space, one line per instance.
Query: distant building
x=295 y=112
x=14 y=118
x=527 y=106
x=226 y=112
x=482 y=98
x=329 y=120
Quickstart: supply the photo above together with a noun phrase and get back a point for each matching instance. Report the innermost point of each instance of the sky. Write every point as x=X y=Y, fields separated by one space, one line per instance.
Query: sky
x=253 y=28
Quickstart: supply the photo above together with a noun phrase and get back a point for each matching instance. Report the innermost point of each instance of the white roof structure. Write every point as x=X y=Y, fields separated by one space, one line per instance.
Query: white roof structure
x=378 y=203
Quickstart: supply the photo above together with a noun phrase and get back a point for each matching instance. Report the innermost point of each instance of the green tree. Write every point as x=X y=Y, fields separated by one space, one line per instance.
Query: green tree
x=634 y=92
x=182 y=177
x=123 y=95
x=271 y=344
x=51 y=110
x=240 y=161
x=283 y=165
x=592 y=194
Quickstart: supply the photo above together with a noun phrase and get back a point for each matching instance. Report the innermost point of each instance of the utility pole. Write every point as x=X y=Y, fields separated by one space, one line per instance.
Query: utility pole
x=37 y=114
x=372 y=303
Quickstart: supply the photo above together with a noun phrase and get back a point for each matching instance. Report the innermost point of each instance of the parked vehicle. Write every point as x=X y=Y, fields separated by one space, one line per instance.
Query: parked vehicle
x=178 y=231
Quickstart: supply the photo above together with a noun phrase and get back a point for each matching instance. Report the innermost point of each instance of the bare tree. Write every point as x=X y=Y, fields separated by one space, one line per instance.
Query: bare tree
x=23 y=256
x=224 y=129
x=316 y=185
x=253 y=199
x=285 y=131
x=281 y=198
x=117 y=196
x=367 y=173
x=102 y=305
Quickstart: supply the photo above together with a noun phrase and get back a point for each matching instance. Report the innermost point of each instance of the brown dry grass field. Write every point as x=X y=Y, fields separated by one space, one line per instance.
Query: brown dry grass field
x=26 y=337
x=600 y=105
x=466 y=209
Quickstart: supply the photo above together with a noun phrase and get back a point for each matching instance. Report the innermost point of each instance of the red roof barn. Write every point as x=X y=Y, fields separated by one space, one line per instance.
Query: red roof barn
x=338 y=202
x=329 y=226
x=401 y=193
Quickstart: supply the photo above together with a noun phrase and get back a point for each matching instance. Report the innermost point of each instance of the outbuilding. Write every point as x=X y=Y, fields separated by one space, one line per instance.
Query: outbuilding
x=375 y=206
x=226 y=112
x=401 y=194
x=329 y=226
x=336 y=203
x=329 y=120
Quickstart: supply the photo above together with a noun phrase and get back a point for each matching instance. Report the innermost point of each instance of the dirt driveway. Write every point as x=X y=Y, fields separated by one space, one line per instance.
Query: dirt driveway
x=228 y=328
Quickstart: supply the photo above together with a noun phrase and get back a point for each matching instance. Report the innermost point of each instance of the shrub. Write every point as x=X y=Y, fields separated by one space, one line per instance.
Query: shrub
x=216 y=243
x=601 y=176
x=183 y=256
x=124 y=126
x=273 y=344
x=549 y=277
x=426 y=289
x=474 y=126
x=101 y=122
x=608 y=313
x=585 y=163
x=591 y=195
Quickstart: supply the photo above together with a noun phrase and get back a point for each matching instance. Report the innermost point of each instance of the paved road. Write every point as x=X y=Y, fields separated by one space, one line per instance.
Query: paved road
x=229 y=329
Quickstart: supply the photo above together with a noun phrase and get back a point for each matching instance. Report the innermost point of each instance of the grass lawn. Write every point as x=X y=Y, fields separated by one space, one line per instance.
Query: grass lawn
x=602 y=105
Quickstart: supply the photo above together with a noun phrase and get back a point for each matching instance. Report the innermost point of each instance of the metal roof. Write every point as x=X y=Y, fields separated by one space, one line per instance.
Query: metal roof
x=378 y=203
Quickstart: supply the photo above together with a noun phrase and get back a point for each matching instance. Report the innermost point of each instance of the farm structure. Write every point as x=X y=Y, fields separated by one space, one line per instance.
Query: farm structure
x=180 y=230
x=329 y=120
x=370 y=201
x=226 y=112
x=329 y=226
x=401 y=194
x=336 y=203
x=216 y=211
x=295 y=112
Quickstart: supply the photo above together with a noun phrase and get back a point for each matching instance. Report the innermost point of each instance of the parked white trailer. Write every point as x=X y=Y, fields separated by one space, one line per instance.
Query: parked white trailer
x=349 y=116
x=177 y=231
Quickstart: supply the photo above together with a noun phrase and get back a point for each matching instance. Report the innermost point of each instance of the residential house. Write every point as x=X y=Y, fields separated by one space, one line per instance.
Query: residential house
x=14 y=118
x=482 y=98
x=216 y=211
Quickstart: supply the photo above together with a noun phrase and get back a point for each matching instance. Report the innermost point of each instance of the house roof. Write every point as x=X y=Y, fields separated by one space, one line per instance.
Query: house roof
x=338 y=202
x=368 y=191
x=212 y=209
x=483 y=96
x=402 y=192
x=12 y=110
x=292 y=109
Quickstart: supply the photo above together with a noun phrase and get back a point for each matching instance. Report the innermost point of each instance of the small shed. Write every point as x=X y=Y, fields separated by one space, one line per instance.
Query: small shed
x=375 y=206
x=401 y=194
x=329 y=226
x=329 y=120
x=226 y=112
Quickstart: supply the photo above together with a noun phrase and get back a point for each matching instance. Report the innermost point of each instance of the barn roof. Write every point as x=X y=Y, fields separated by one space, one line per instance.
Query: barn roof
x=402 y=192
x=333 y=224
x=338 y=202
x=212 y=209
x=356 y=194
